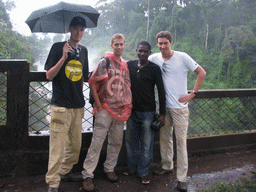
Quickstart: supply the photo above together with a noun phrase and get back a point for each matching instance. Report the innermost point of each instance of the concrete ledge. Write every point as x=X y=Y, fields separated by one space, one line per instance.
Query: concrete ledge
x=34 y=160
x=202 y=146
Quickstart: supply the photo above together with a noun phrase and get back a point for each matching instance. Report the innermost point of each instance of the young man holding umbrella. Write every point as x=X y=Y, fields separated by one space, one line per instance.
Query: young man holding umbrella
x=67 y=68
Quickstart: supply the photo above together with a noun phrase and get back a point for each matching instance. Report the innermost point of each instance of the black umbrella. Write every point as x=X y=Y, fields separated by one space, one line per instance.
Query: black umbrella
x=56 y=18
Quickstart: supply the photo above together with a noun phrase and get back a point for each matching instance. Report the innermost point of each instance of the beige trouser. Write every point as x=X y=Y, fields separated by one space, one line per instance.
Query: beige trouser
x=65 y=142
x=177 y=119
x=104 y=125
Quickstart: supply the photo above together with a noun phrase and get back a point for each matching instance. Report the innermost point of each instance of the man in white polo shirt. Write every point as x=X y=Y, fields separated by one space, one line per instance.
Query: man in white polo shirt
x=175 y=65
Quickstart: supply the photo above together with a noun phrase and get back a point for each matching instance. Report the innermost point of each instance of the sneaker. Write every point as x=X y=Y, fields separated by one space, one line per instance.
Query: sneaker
x=52 y=189
x=88 y=184
x=71 y=177
x=111 y=176
x=182 y=186
x=161 y=171
x=144 y=180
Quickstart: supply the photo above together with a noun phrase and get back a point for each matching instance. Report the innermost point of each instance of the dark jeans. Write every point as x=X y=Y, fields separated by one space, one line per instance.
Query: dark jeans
x=139 y=142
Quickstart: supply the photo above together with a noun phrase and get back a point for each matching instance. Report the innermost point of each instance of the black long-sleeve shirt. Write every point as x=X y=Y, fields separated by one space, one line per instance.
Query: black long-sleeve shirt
x=143 y=83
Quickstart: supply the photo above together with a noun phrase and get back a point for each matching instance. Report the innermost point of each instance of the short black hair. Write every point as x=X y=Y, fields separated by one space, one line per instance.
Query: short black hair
x=145 y=43
x=77 y=21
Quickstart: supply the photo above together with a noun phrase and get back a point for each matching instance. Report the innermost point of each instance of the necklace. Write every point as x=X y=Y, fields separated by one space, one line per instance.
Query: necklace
x=142 y=65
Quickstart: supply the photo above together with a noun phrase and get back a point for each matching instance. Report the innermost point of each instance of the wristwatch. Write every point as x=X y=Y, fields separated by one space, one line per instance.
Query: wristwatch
x=194 y=92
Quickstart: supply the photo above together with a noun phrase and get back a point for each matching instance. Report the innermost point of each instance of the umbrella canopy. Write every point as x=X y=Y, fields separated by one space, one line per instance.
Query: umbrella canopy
x=56 y=18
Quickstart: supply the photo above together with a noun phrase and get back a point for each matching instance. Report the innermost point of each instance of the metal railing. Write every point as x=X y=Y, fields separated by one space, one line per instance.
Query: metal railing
x=215 y=116
x=212 y=112
x=39 y=105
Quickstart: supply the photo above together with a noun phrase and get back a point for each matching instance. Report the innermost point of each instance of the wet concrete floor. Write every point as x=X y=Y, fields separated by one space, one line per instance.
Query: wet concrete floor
x=203 y=172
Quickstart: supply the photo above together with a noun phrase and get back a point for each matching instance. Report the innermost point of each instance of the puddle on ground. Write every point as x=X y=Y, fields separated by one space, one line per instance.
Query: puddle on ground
x=207 y=180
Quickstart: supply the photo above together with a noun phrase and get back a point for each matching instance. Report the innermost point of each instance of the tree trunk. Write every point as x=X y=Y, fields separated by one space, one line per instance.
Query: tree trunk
x=148 y=21
x=175 y=33
x=207 y=34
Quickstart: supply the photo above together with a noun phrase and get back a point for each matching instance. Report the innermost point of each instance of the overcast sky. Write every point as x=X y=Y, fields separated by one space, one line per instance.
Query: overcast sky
x=24 y=8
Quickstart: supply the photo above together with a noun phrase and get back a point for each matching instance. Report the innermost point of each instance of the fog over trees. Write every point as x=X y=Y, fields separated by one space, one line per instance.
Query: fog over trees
x=219 y=34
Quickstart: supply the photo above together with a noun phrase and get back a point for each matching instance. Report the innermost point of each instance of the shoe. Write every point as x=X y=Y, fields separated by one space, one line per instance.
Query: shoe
x=111 y=176
x=161 y=171
x=144 y=180
x=129 y=172
x=52 y=189
x=71 y=177
x=88 y=184
x=182 y=186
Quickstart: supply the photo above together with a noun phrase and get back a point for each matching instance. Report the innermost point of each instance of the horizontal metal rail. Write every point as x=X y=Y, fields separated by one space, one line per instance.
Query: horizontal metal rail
x=212 y=112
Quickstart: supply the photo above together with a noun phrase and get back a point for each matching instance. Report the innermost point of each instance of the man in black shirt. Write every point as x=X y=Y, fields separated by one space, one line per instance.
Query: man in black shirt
x=144 y=76
x=67 y=68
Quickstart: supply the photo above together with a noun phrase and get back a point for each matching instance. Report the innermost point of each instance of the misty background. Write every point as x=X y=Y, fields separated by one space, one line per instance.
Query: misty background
x=219 y=34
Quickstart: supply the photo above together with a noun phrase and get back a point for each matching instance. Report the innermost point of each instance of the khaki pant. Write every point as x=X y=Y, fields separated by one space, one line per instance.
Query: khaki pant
x=177 y=119
x=104 y=125
x=65 y=142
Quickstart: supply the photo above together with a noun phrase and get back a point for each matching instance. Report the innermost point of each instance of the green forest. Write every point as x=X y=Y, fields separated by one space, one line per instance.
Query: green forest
x=219 y=34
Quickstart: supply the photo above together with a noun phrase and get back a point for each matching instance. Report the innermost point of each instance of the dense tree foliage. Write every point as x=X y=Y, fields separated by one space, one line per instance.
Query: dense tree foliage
x=219 y=35
x=15 y=46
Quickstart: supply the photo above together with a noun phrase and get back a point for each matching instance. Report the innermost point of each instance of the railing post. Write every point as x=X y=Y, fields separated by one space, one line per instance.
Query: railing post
x=14 y=134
